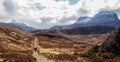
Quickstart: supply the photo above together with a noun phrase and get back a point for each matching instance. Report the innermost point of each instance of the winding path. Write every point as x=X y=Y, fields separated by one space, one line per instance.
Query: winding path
x=36 y=55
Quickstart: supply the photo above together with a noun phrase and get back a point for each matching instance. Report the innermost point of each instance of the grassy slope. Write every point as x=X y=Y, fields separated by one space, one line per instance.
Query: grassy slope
x=15 y=45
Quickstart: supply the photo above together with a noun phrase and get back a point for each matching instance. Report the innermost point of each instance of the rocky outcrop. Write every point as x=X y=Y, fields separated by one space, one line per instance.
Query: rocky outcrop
x=112 y=43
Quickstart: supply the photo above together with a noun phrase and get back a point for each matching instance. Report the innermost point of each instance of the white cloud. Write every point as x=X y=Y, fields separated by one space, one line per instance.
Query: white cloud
x=50 y=12
x=53 y=21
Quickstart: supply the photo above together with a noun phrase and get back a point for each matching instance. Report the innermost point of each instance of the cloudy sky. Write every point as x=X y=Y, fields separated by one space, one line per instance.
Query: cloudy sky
x=46 y=13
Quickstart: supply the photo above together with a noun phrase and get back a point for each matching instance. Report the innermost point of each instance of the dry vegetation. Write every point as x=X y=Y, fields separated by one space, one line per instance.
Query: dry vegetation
x=15 y=46
x=108 y=51
x=67 y=50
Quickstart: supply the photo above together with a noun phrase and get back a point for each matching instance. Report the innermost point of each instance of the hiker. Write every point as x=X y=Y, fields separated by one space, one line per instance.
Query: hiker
x=35 y=49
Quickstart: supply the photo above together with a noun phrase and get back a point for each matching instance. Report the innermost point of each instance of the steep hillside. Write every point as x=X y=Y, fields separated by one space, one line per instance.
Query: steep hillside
x=107 y=51
x=15 y=45
x=112 y=43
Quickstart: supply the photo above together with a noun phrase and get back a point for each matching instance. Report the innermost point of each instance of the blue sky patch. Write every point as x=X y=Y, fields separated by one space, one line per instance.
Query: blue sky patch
x=71 y=2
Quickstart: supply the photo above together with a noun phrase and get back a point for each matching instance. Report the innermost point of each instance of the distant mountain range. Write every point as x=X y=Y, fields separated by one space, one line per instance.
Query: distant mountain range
x=96 y=29
x=18 y=25
x=108 y=18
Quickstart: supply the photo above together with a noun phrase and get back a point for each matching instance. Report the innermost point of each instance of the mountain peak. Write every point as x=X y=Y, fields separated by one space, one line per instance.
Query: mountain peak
x=106 y=12
x=105 y=18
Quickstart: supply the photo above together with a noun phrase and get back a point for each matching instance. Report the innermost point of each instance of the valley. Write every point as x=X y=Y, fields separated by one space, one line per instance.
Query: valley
x=95 y=41
x=67 y=50
x=18 y=45
x=59 y=30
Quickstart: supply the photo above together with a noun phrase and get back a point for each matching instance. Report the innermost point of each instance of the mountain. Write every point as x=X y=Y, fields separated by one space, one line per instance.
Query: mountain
x=66 y=33
x=19 y=25
x=57 y=27
x=15 y=45
x=78 y=23
x=108 y=18
x=96 y=29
